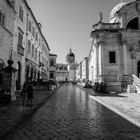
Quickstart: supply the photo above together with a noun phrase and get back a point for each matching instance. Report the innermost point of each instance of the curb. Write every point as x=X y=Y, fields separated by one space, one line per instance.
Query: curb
x=25 y=116
x=136 y=123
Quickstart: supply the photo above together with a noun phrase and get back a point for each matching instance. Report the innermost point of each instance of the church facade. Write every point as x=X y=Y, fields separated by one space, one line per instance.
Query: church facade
x=114 y=57
x=70 y=58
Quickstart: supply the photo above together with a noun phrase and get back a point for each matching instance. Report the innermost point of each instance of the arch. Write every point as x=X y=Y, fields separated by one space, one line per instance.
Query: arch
x=2 y=64
x=138 y=68
x=27 y=73
x=133 y=23
x=32 y=50
x=18 y=81
x=38 y=75
x=29 y=46
x=32 y=73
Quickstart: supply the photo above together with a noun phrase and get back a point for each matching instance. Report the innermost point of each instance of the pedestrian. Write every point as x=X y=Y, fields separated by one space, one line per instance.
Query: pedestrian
x=24 y=93
x=29 y=94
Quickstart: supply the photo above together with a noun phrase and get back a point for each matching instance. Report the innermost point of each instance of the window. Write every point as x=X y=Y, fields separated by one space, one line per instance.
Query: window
x=133 y=24
x=39 y=42
x=36 y=37
x=20 y=38
x=21 y=13
x=11 y=3
x=2 y=18
x=29 y=26
x=51 y=75
x=32 y=50
x=35 y=53
x=112 y=57
x=33 y=32
x=51 y=62
x=29 y=46
x=65 y=68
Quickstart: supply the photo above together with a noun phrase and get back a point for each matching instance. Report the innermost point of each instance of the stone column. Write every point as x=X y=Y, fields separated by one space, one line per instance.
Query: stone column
x=100 y=62
x=124 y=65
x=138 y=11
x=97 y=62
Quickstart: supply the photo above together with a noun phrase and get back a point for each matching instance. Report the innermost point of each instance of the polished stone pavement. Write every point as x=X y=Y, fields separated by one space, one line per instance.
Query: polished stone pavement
x=71 y=113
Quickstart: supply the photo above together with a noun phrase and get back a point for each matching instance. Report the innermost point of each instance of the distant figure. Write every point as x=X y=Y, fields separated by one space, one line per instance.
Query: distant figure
x=29 y=94
x=24 y=93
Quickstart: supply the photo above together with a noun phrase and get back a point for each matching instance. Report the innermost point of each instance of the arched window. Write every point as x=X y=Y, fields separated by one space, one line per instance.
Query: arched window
x=133 y=24
x=29 y=46
x=32 y=50
x=51 y=62
x=35 y=53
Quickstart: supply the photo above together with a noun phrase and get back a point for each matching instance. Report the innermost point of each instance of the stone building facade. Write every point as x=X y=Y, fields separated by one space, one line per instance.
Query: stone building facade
x=78 y=73
x=19 y=44
x=70 y=58
x=115 y=47
x=21 y=40
x=62 y=72
x=37 y=52
x=52 y=66
x=7 y=20
x=85 y=70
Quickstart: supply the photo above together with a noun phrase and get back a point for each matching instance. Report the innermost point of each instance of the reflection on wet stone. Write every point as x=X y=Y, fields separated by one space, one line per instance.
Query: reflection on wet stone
x=71 y=114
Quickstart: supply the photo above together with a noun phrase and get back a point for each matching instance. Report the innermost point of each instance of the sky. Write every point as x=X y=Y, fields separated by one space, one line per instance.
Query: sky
x=67 y=23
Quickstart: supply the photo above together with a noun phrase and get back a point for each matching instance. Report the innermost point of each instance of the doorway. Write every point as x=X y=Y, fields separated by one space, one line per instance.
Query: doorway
x=138 y=69
x=18 y=82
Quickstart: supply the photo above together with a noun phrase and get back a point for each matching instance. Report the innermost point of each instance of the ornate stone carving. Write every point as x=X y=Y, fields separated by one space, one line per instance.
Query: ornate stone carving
x=100 y=16
x=134 y=48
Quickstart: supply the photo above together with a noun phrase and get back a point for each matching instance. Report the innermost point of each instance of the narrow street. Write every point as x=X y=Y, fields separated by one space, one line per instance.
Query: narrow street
x=70 y=114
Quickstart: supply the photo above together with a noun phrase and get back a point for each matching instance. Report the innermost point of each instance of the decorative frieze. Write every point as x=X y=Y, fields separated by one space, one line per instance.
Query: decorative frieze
x=134 y=48
x=109 y=78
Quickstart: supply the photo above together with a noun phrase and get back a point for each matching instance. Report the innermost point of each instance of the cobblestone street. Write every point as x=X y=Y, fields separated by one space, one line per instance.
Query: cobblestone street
x=70 y=114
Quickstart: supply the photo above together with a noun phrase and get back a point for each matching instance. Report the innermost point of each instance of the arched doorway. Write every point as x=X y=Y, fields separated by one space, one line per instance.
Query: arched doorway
x=138 y=69
x=32 y=74
x=27 y=73
x=133 y=24
x=18 y=81
x=2 y=65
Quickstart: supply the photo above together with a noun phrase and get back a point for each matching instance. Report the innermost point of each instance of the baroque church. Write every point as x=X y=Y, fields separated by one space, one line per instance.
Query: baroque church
x=114 y=57
x=70 y=58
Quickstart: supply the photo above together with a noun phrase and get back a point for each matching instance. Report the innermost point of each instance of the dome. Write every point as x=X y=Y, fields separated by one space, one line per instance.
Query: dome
x=70 y=58
x=71 y=54
x=117 y=8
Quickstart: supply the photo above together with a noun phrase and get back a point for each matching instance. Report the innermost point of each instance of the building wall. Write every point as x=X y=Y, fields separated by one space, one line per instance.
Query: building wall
x=78 y=73
x=6 y=39
x=6 y=31
x=19 y=51
x=61 y=72
x=118 y=42
x=85 y=68
x=34 y=49
x=52 y=66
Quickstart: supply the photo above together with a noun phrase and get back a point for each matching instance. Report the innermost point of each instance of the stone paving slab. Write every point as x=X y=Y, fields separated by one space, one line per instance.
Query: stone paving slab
x=71 y=114
x=125 y=104
x=13 y=114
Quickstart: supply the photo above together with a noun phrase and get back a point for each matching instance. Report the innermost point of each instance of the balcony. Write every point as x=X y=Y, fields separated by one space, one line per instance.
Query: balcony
x=20 y=49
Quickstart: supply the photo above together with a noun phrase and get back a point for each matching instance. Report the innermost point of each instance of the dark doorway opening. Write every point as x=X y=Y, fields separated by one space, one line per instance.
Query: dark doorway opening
x=138 y=69
x=19 y=76
x=133 y=24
